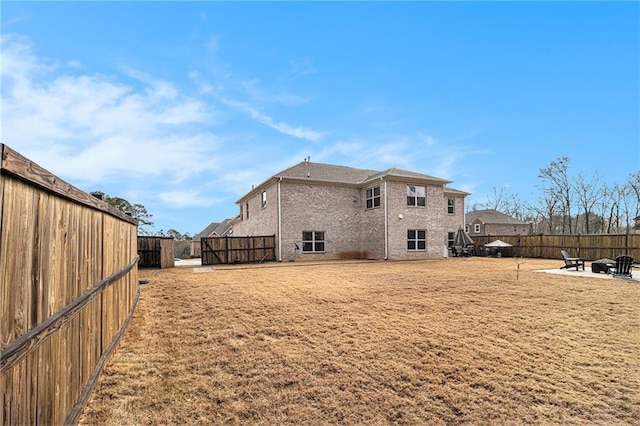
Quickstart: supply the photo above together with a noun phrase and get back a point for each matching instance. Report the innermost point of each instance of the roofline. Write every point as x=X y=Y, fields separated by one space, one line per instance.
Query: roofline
x=381 y=176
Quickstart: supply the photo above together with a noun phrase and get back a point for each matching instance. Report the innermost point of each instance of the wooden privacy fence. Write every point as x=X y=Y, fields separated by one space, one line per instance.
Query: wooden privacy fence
x=69 y=285
x=224 y=250
x=590 y=247
x=156 y=252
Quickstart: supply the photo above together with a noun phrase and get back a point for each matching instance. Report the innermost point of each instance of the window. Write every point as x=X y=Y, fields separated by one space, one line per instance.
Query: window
x=241 y=213
x=451 y=205
x=466 y=229
x=451 y=238
x=476 y=228
x=264 y=199
x=416 y=239
x=246 y=210
x=416 y=196
x=312 y=241
x=373 y=197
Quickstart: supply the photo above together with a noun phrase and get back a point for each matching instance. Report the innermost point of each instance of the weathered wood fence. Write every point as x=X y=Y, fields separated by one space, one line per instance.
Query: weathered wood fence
x=591 y=247
x=224 y=250
x=69 y=284
x=156 y=252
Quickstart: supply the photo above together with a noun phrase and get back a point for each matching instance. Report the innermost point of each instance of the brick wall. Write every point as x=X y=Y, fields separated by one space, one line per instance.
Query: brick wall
x=430 y=218
x=340 y=212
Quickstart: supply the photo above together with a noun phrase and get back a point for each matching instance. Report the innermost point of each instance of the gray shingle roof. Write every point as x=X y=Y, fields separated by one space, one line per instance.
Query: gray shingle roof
x=329 y=173
x=344 y=174
x=326 y=173
x=206 y=231
x=493 y=217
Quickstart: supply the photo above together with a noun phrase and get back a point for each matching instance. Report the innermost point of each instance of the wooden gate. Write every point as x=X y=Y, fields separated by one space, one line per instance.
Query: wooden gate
x=156 y=252
x=225 y=250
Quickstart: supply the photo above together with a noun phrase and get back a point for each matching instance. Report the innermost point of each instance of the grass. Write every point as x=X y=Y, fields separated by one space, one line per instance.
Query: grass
x=468 y=340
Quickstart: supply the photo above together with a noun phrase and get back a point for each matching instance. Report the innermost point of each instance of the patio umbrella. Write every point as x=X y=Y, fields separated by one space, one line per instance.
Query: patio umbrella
x=462 y=238
x=498 y=243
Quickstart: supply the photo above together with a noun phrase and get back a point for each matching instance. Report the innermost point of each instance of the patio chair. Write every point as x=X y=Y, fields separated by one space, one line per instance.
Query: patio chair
x=572 y=262
x=622 y=267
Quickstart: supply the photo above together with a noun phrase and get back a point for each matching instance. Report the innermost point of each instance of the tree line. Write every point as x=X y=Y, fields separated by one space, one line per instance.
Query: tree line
x=573 y=203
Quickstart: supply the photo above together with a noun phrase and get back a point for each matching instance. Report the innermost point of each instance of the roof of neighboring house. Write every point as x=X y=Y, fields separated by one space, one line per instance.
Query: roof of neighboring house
x=490 y=216
x=329 y=173
x=214 y=228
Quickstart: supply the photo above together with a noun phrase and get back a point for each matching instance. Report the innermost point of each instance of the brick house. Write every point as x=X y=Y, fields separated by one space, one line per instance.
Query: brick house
x=492 y=222
x=322 y=211
x=214 y=229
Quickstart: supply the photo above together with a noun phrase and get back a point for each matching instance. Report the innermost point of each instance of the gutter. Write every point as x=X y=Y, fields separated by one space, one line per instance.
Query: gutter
x=386 y=223
x=279 y=223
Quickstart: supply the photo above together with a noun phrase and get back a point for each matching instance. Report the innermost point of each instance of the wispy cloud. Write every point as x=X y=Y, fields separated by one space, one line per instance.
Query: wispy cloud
x=298 y=132
x=187 y=198
x=95 y=128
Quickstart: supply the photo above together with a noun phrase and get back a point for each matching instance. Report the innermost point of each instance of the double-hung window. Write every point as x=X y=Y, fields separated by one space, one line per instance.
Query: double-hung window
x=451 y=205
x=246 y=210
x=416 y=196
x=476 y=228
x=373 y=197
x=451 y=238
x=416 y=239
x=313 y=241
x=264 y=199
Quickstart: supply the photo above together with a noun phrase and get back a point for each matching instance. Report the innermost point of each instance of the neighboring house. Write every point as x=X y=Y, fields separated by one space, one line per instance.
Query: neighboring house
x=212 y=230
x=492 y=222
x=323 y=211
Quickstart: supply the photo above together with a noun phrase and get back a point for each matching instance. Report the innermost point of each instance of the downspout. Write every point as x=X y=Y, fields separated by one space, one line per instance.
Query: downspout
x=386 y=224
x=279 y=223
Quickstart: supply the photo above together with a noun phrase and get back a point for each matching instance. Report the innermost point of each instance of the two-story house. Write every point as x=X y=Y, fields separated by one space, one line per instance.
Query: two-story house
x=493 y=222
x=323 y=211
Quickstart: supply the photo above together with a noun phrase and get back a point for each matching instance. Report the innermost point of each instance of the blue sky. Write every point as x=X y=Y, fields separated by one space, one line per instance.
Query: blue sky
x=182 y=106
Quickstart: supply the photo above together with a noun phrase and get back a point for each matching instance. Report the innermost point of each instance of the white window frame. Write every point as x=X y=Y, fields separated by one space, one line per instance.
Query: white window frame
x=466 y=229
x=416 y=239
x=264 y=199
x=451 y=238
x=313 y=241
x=419 y=195
x=372 y=199
x=476 y=228
x=246 y=210
x=451 y=205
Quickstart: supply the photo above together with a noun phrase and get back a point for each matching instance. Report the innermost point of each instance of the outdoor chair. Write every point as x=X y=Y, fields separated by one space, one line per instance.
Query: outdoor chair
x=623 y=266
x=572 y=262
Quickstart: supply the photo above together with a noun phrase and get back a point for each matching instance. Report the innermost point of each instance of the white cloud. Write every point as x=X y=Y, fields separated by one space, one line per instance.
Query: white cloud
x=92 y=127
x=186 y=198
x=298 y=132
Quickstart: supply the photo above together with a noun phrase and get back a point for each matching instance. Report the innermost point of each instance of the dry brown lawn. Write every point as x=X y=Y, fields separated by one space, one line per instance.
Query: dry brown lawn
x=437 y=342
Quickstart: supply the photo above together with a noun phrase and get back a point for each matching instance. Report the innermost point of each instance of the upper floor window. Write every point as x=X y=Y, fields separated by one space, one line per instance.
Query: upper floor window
x=451 y=205
x=416 y=239
x=246 y=210
x=373 y=197
x=416 y=196
x=241 y=213
x=466 y=229
x=312 y=241
x=264 y=199
x=476 y=228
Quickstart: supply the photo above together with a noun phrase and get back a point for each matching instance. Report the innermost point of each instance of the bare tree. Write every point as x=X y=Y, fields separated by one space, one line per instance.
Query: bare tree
x=588 y=193
x=633 y=183
x=556 y=177
x=547 y=210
